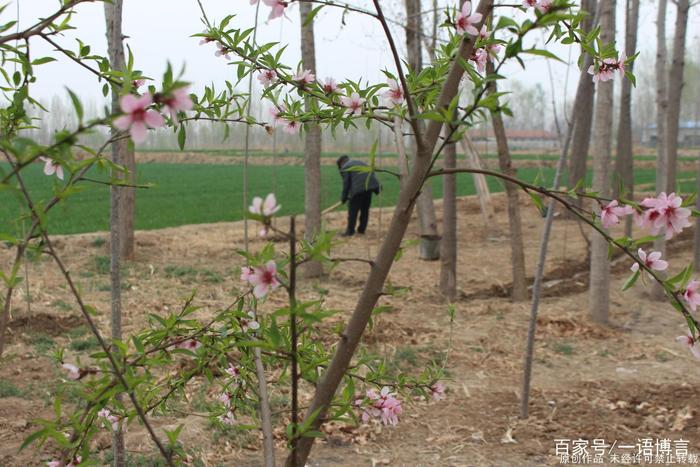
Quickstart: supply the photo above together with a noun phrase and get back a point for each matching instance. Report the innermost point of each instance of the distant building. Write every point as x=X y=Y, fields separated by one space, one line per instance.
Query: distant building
x=688 y=134
x=518 y=139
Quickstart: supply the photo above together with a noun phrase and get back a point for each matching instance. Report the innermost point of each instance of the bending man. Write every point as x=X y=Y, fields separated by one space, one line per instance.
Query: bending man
x=358 y=187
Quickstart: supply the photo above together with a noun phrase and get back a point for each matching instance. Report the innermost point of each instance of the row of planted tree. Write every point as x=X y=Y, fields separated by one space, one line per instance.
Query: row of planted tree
x=134 y=379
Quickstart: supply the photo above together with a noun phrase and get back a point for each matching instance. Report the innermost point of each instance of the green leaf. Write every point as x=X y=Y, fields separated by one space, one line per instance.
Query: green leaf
x=630 y=281
x=310 y=17
x=76 y=104
x=181 y=137
x=33 y=437
x=42 y=60
x=537 y=200
x=543 y=53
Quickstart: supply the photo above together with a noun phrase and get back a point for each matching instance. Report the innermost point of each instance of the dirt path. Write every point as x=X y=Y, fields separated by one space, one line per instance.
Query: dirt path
x=621 y=383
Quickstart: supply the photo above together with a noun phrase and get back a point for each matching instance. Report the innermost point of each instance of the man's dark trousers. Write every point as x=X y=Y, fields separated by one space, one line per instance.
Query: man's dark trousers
x=359 y=204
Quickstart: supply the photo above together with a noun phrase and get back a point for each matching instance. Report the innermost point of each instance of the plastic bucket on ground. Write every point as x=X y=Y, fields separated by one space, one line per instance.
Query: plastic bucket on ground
x=429 y=247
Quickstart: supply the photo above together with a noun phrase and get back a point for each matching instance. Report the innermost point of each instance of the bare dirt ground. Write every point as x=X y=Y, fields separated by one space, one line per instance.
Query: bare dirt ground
x=621 y=383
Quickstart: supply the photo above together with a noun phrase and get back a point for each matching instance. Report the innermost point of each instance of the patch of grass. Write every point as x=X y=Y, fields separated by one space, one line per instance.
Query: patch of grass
x=213 y=192
x=180 y=272
x=140 y=460
x=77 y=332
x=61 y=305
x=102 y=264
x=98 y=242
x=106 y=286
x=212 y=277
x=234 y=434
x=190 y=274
x=563 y=348
x=406 y=356
x=86 y=344
x=42 y=343
x=7 y=389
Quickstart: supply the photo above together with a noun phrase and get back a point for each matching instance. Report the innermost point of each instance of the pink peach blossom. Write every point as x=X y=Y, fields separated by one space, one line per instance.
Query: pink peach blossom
x=330 y=86
x=250 y=322
x=437 y=391
x=265 y=279
x=480 y=57
x=138 y=118
x=484 y=33
x=189 y=344
x=543 y=6
x=493 y=49
x=278 y=7
x=233 y=371
x=304 y=77
x=267 y=77
x=607 y=68
x=265 y=208
x=110 y=418
x=52 y=167
x=178 y=101
x=291 y=127
x=691 y=344
x=275 y=113
x=222 y=51
x=228 y=418
x=246 y=273
x=465 y=21
x=611 y=213
x=529 y=3
x=652 y=261
x=73 y=371
x=225 y=398
x=692 y=295
x=665 y=212
x=354 y=103
x=395 y=92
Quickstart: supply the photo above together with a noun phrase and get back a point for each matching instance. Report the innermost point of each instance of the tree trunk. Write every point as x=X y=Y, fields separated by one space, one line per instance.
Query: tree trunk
x=657 y=292
x=474 y=161
x=424 y=204
x=675 y=88
x=401 y=158
x=517 y=254
x=374 y=285
x=115 y=44
x=312 y=159
x=696 y=237
x=118 y=214
x=624 y=162
x=599 y=290
x=448 y=246
x=583 y=106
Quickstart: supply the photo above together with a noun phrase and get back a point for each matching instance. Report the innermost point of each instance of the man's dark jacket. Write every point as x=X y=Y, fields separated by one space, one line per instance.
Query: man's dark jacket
x=355 y=183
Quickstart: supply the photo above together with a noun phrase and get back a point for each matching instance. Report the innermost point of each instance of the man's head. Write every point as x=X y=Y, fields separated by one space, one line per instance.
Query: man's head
x=342 y=160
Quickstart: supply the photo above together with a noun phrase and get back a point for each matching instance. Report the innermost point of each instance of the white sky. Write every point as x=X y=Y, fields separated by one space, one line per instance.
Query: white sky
x=159 y=30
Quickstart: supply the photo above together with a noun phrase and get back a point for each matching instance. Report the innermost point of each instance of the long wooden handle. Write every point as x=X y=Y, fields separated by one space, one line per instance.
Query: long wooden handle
x=331 y=208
